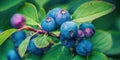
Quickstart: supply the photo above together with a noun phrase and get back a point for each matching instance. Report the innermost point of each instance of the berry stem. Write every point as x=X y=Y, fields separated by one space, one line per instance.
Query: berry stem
x=38 y=31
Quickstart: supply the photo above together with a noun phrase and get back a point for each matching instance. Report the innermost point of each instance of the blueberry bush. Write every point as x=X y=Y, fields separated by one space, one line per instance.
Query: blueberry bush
x=59 y=30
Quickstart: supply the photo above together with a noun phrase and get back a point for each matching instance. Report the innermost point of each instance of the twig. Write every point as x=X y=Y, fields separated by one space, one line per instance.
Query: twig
x=39 y=31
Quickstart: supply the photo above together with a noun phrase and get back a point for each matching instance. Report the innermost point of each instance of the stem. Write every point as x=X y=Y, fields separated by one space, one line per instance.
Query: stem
x=39 y=31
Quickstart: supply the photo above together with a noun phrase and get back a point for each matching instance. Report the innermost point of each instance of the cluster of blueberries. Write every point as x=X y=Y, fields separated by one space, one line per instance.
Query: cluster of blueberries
x=70 y=35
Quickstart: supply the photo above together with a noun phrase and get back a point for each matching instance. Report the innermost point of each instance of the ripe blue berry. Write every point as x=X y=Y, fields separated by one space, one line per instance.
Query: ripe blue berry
x=68 y=30
x=69 y=43
x=52 y=12
x=85 y=25
x=34 y=50
x=18 y=37
x=48 y=24
x=80 y=34
x=89 y=32
x=13 y=55
x=62 y=16
x=17 y=21
x=84 y=47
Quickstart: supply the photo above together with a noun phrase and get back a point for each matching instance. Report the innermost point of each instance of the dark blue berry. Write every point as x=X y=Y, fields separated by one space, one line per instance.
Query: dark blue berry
x=68 y=30
x=80 y=34
x=69 y=43
x=18 y=37
x=13 y=55
x=48 y=24
x=62 y=16
x=52 y=12
x=17 y=21
x=85 y=25
x=34 y=50
x=89 y=32
x=84 y=47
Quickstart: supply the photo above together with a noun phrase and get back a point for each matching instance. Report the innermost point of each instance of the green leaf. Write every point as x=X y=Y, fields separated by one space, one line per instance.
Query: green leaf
x=94 y=56
x=7 y=4
x=41 y=3
x=29 y=11
x=41 y=41
x=89 y=11
x=23 y=46
x=4 y=35
x=102 y=41
x=58 y=52
x=116 y=43
x=32 y=57
x=41 y=14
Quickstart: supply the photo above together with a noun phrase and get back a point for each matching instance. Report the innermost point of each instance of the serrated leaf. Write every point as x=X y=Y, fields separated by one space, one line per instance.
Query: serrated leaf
x=41 y=41
x=29 y=11
x=23 y=46
x=58 y=52
x=91 y=10
x=94 y=56
x=116 y=43
x=7 y=4
x=4 y=35
x=102 y=41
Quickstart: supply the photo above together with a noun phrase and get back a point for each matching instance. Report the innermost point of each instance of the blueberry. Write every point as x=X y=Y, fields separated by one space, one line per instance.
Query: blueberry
x=34 y=50
x=62 y=16
x=89 y=32
x=80 y=34
x=17 y=21
x=69 y=43
x=84 y=47
x=48 y=24
x=13 y=55
x=85 y=25
x=18 y=37
x=52 y=12
x=68 y=30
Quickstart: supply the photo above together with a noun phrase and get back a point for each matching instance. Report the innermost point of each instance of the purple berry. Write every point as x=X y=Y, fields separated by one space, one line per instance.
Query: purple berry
x=89 y=32
x=80 y=34
x=17 y=21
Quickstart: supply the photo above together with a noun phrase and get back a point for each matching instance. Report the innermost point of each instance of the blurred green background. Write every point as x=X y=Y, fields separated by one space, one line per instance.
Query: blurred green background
x=109 y=22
